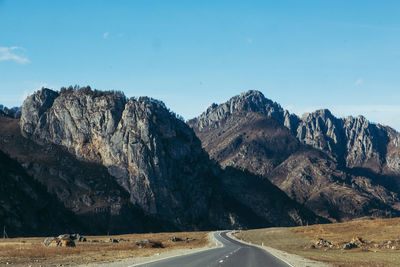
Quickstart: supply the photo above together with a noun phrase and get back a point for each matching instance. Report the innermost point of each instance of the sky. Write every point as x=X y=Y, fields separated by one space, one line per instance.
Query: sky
x=305 y=55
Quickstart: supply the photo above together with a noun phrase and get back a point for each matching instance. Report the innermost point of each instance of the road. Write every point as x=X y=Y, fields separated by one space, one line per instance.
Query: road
x=232 y=254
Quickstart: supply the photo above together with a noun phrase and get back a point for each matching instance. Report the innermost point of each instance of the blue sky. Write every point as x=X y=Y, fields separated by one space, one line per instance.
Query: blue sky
x=305 y=55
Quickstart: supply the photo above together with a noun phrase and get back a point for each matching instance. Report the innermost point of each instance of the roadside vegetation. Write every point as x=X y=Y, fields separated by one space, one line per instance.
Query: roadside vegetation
x=356 y=243
x=32 y=251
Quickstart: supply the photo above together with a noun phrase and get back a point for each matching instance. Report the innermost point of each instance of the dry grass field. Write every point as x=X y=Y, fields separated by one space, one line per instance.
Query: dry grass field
x=381 y=245
x=31 y=251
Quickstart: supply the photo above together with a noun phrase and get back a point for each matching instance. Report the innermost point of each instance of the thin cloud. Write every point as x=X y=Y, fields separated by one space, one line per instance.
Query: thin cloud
x=105 y=35
x=358 y=82
x=13 y=54
x=250 y=40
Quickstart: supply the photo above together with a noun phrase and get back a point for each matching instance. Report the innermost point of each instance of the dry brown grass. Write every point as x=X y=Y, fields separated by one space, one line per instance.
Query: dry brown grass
x=31 y=251
x=297 y=240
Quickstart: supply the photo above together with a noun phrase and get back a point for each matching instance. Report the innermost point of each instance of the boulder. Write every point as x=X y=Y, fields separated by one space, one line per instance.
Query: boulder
x=157 y=244
x=146 y=243
x=64 y=236
x=175 y=239
x=49 y=240
x=67 y=243
x=142 y=243
x=55 y=243
x=323 y=243
x=349 y=245
x=60 y=241
x=78 y=238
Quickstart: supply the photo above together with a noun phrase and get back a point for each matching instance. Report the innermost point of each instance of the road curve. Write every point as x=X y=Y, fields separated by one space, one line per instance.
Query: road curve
x=232 y=254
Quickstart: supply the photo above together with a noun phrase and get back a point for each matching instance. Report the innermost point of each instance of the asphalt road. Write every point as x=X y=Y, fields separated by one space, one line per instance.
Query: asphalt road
x=232 y=254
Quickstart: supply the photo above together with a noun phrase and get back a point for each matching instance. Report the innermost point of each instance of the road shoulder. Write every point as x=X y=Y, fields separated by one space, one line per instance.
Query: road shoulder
x=212 y=244
x=291 y=259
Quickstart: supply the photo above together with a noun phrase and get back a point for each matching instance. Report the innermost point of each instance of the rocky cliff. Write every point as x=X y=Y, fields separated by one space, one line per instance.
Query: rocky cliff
x=152 y=155
x=339 y=168
x=251 y=101
x=354 y=141
x=85 y=189
x=118 y=155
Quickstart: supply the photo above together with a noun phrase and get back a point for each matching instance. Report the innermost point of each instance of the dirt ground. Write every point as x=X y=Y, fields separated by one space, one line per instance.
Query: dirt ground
x=380 y=242
x=31 y=251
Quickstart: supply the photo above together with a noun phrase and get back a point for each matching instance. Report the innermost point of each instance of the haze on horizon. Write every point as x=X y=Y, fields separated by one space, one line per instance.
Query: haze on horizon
x=339 y=55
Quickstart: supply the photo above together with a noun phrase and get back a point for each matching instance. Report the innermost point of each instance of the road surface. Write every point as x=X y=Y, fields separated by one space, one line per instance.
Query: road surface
x=232 y=254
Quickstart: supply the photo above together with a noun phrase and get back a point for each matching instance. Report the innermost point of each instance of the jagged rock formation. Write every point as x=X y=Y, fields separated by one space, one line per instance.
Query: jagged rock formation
x=339 y=168
x=14 y=112
x=85 y=189
x=113 y=159
x=251 y=101
x=354 y=141
x=142 y=145
x=248 y=140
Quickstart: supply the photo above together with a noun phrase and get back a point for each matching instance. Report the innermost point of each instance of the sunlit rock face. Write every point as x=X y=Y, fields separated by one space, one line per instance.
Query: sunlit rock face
x=157 y=159
x=341 y=168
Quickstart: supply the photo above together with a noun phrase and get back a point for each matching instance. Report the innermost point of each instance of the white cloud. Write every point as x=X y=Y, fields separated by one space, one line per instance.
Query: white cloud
x=13 y=54
x=105 y=35
x=358 y=82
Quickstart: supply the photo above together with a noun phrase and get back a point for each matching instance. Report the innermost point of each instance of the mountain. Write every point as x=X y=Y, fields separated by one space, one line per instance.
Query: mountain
x=131 y=165
x=14 y=112
x=84 y=189
x=26 y=208
x=339 y=168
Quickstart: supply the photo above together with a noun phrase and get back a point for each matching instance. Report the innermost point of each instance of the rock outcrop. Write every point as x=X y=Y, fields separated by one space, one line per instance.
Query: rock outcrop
x=86 y=190
x=14 y=112
x=354 y=141
x=339 y=168
x=153 y=155
x=133 y=159
x=251 y=101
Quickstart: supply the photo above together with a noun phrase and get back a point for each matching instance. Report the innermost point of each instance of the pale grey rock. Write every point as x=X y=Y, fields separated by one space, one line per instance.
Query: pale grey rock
x=250 y=101
x=341 y=168
x=321 y=130
x=137 y=140
x=355 y=142
x=156 y=158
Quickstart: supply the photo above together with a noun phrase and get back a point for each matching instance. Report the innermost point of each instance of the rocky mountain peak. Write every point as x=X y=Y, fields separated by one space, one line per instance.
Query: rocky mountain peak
x=14 y=112
x=321 y=130
x=323 y=113
x=155 y=157
x=139 y=141
x=250 y=101
x=37 y=104
x=333 y=157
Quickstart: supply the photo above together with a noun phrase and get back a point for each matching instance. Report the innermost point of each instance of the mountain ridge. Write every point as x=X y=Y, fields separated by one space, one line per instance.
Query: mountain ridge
x=364 y=154
x=82 y=144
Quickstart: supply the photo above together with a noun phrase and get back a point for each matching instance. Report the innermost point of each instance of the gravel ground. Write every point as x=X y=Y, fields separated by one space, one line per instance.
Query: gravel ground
x=213 y=243
x=292 y=259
